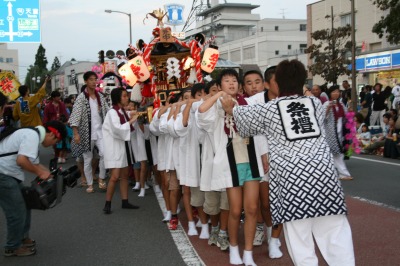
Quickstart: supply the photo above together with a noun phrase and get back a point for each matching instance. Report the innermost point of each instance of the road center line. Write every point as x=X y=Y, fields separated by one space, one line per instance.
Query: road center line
x=376 y=161
x=376 y=203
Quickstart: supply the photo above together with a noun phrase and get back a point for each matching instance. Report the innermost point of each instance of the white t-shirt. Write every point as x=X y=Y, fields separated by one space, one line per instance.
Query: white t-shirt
x=96 y=123
x=26 y=142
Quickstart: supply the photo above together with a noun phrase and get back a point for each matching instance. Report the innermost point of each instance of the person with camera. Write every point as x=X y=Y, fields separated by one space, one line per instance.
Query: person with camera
x=19 y=152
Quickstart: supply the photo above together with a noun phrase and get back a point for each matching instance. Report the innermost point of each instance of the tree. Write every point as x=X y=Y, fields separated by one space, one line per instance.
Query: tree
x=37 y=73
x=329 y=52
x=56 y=65
x=389 y=24
x=40 y=58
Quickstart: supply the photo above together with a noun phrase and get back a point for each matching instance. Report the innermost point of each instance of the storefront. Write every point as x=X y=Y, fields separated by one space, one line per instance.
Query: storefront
x=383 y=67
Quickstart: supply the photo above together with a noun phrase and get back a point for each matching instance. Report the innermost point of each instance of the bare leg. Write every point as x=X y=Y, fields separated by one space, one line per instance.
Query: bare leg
x=115 y=174
x=251 y=201
x=186 y=203
x=235 y=209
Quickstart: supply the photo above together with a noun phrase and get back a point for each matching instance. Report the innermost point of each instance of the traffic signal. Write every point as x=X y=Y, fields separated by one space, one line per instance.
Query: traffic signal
x=101 y=56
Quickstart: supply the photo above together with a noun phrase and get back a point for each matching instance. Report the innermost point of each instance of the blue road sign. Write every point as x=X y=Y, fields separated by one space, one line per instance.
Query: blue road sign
x=20 y=21
x=175 y=14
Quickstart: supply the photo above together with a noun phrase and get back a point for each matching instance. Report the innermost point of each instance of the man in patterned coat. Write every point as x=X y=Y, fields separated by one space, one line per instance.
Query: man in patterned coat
x=305 y=193
x=86 y=120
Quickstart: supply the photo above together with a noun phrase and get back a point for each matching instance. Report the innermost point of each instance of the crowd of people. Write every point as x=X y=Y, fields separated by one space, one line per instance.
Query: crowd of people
x=376 y=121
x=249 y=147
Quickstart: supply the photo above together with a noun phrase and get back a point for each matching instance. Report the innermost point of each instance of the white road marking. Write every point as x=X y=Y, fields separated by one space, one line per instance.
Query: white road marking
x=377 y=203
x=182 y=242
x=375 y=161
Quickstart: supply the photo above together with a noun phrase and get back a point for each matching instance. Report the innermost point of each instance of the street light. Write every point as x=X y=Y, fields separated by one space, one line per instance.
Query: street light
x=130 y=24
x=34 y=81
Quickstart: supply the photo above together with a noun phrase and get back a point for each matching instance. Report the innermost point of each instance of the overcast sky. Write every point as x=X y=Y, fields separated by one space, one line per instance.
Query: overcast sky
x=80 y=28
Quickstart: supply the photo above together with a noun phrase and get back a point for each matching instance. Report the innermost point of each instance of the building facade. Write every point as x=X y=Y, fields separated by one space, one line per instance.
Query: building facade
x=9 y=59
x=372 y=52
x=243 y=38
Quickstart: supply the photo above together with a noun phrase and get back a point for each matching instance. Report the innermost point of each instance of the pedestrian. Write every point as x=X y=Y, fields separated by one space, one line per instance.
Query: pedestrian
x=27 y=108
x=335 y=125
x=64 y=147
x=300 y=163
x=54 y=108
x=86 y=120
x=117 y=130
x=378 y=105
x=20 y=152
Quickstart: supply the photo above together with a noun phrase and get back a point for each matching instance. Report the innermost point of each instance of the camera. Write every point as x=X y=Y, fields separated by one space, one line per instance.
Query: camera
x=45 y=194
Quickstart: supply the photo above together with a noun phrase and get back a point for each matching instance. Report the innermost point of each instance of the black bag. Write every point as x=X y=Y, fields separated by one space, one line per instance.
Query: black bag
x=41 y=194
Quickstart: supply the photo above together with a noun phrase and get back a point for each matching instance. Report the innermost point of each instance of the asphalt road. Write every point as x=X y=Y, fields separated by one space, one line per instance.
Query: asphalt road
x=76 y=232
x=375 y=179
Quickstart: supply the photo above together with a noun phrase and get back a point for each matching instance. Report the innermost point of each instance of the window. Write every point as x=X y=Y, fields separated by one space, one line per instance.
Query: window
x=303 y=47
x=289 y=47
x=276 y=28
x=235 y=56
x=277 y=52
x=1 y=60
x=9 y=60
x=345 y=20
x=303 y=27
x=249 y=53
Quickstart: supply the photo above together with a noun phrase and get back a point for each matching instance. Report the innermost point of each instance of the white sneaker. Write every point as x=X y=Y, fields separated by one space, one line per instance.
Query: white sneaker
x=259 y=238
x=146 y=186
x=59 y=160
x=273 y=248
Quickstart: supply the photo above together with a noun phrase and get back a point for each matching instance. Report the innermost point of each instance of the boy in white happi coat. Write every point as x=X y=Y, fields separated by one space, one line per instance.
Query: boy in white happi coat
x=161 y=165
x=189 y=159
x=235 y=165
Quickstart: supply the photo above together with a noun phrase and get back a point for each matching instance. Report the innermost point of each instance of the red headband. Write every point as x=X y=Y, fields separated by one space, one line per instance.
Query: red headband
x=55 y=132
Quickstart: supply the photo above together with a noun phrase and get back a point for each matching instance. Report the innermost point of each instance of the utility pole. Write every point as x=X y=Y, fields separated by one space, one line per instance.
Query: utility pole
x=333 y=40
x=354 y=97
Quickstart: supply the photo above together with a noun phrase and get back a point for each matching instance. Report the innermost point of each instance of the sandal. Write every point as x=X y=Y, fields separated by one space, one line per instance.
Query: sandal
x=346 y=178
x=90 y=190
x=82 y=184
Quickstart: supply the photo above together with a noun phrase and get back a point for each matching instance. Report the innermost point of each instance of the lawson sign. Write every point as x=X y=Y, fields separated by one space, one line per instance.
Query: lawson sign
x=378 y=61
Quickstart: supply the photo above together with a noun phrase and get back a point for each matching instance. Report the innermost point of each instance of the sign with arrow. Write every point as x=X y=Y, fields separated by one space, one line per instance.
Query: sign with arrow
x=20 y=21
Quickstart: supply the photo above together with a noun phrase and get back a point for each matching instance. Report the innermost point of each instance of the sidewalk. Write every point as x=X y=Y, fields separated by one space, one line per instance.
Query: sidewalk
x=376 y=237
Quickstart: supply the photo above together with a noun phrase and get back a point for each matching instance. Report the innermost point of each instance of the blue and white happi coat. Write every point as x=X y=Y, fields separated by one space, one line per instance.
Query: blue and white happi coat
x=303 y=181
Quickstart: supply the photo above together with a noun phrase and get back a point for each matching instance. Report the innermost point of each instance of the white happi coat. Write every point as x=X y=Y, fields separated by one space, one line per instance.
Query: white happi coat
x=155 y=130
x=213 y=121
x=169 y=141
x=207 y=153
x=114 y=137
x=260 y=141
x=138 y=144
x=189 y=149
x=304 y=181
x=153 y=143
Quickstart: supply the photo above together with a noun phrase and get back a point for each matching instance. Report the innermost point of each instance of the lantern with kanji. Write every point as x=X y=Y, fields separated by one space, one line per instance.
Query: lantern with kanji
x=139 y=68
x=210 y=59
x=126 y=73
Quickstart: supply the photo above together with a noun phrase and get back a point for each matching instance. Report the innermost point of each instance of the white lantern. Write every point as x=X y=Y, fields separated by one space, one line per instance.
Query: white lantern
x=126 y=73
x=210 y=59
x=139 y=68
x=136 y=94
